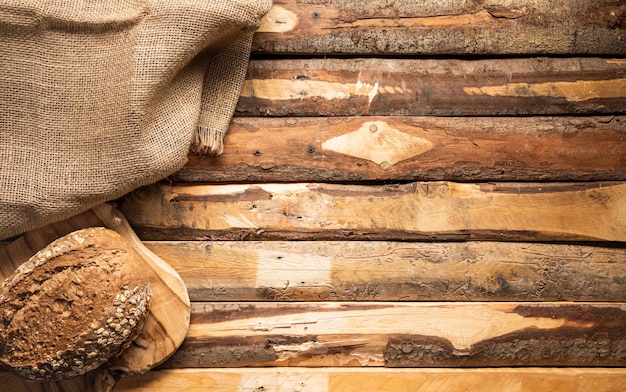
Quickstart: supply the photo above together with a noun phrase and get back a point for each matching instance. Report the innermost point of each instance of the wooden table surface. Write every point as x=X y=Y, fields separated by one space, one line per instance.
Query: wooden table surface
x=413 y=196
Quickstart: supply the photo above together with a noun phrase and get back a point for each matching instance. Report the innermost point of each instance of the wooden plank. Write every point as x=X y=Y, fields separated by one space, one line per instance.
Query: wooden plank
x=443 y=27
x=358 y=380
x=427 y=210
x=416 y=148
x=380 y=380
x=379 y=86
x=398 y=335
x=394 y=271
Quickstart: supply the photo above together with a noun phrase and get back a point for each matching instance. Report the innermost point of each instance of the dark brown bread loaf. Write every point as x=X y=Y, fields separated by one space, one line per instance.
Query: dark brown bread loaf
x=75 y=304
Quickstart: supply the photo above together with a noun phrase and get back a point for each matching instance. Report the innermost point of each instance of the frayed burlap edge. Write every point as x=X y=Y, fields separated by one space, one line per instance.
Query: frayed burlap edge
x=208 y=141
x=222 y=86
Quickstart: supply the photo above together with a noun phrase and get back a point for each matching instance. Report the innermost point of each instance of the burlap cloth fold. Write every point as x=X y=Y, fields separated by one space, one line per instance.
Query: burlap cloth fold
x=99 y=97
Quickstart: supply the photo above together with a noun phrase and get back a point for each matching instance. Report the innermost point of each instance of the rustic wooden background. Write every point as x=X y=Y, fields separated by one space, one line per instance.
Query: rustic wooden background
x=413 y=196
x=417 y=196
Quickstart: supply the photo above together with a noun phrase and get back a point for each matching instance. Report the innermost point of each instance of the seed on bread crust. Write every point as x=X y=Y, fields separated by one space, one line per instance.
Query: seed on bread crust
x=62 y=314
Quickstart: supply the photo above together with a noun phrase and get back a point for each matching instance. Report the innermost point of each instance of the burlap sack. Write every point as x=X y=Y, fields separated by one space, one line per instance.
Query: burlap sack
x=99 y=97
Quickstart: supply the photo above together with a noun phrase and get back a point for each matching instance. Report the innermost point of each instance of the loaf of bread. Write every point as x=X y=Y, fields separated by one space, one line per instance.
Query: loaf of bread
x=74 y=305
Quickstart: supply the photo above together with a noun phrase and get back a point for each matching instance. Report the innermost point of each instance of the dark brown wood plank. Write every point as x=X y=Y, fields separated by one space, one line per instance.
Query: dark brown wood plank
x=363 y=149
x=380 y=380
x=378 y=86
x=395 y=271
x=413 y=211
x=398 y=335
x=443 y=27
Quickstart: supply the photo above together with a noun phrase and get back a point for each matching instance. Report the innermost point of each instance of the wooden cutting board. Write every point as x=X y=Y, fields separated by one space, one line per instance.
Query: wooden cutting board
x=166 y=324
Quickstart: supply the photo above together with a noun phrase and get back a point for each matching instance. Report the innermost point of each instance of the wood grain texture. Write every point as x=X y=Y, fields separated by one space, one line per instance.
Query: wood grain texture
x=490 y=27
x=379 y=380
x=394 y=271
x=427 y=210
x=99 y=380
x=360 y=149
x=379 y=86
x=359 y=379
x=235 y=334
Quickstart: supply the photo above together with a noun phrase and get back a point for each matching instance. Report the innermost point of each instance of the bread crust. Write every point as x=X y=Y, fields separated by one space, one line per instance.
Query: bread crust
x=74 y=305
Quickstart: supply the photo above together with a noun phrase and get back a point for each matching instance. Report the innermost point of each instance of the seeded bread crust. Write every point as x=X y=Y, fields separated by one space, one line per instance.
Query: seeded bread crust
x=74 y=305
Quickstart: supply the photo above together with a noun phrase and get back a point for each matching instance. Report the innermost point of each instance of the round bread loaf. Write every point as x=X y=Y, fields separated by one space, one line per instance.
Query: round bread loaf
x=74 y=305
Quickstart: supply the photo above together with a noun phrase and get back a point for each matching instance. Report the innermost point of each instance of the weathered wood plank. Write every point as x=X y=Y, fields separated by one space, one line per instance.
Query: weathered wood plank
x=397 y=335
x=380 y=380
x=399 y=148
x=378 y=86
x=490 y=27
x=428 y=210
x=392 y=271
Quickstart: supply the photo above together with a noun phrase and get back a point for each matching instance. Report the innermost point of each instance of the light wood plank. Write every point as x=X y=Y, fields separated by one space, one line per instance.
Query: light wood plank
x=396 y=271
x=490 y=27
x=379 y=380
x=402 y=148
x=377 y=86
x=432 y=334
x=428 y=210
x=359 y=380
